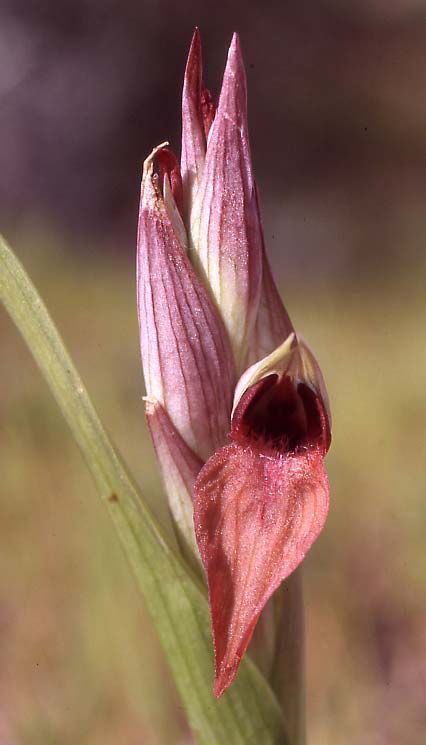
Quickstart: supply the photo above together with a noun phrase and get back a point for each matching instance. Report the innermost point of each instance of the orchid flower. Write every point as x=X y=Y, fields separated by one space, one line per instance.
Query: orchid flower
x=236 y=403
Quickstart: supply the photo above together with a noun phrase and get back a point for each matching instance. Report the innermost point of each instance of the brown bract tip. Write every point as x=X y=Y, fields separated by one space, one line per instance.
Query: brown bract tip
x=169 y=166
x=153 y=184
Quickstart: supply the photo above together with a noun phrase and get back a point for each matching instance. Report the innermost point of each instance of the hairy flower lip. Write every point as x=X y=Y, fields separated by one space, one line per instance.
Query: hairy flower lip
x=276 y=416
x=294 y=358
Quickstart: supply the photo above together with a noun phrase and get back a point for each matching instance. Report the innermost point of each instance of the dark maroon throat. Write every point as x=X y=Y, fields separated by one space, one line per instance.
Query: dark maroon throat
x=278 y=417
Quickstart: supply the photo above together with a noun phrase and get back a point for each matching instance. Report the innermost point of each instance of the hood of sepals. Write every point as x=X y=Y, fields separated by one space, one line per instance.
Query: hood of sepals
x=214 y=190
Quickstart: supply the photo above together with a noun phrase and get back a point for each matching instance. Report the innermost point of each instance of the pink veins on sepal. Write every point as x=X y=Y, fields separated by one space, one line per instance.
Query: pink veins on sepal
x=259 y=504
x=186 y=354
x=225 y=229
x=198 y=111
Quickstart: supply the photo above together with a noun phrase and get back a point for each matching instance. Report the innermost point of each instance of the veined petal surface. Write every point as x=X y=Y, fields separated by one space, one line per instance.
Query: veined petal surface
x=224 y=231
x=256 y=517
x=186 y=356
x=193 y=131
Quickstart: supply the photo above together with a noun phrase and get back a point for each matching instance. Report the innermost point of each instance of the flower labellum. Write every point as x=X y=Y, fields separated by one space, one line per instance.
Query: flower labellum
x=236 y=402
x=262 y=500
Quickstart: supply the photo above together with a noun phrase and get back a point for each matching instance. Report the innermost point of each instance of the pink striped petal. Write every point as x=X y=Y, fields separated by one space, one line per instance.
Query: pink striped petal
x=225 y=230
x=186 y=357
x=196 y=109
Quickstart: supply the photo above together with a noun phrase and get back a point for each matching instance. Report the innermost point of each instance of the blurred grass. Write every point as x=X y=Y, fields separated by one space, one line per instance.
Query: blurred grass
x=79 y=661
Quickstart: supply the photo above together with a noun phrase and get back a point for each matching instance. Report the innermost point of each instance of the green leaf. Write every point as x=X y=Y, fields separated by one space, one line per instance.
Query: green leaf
x=248 y=713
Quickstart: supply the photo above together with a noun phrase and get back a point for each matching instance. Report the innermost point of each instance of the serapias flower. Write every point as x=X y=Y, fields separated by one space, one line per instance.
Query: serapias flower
x=236 y=402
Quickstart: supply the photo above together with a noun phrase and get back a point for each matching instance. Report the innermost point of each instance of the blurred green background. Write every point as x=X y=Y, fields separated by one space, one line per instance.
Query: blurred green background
x=337 y=116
